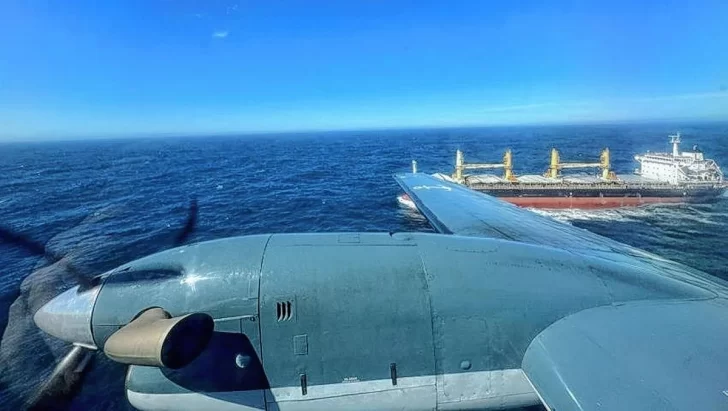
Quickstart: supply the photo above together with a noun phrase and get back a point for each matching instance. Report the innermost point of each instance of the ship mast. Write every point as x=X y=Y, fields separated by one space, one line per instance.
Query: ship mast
x=675 y=141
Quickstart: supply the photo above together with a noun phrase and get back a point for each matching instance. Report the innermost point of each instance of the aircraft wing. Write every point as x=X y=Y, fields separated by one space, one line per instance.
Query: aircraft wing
x=656 y=355
x=455 y=209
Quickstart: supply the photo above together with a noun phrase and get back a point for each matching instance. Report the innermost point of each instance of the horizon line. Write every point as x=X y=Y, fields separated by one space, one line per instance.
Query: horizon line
x=261 y=133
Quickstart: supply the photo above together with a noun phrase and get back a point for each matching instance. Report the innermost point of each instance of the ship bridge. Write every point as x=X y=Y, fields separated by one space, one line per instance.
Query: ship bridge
x=679 y=167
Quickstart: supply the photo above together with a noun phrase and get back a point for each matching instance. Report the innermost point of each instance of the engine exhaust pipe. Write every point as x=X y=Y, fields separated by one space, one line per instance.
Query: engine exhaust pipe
x=155 y=339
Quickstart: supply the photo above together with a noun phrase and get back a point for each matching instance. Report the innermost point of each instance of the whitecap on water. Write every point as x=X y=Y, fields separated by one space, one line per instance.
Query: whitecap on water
x=573 y=214
x=669 y=214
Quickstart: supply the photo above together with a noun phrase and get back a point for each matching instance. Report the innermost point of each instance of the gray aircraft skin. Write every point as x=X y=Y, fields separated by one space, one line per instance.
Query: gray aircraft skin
x=503 y=308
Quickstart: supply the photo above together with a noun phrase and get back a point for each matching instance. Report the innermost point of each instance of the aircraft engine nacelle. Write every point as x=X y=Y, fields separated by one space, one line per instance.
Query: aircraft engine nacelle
x=345 y=321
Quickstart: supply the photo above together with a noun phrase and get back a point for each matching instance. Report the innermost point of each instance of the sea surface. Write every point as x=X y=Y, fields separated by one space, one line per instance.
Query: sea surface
x=105 y=202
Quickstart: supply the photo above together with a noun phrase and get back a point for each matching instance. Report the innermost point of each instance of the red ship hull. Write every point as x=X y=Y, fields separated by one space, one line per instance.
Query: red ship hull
x=590 y=202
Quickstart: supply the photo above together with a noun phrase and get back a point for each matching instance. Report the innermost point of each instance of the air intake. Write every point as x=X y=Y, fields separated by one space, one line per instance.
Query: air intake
x=284 y=311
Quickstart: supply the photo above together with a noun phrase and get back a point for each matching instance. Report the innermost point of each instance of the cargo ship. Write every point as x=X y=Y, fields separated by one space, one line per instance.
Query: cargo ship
x=676 y=177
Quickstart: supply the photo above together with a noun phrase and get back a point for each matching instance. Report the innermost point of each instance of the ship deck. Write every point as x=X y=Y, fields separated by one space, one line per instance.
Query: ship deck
x=537 y=182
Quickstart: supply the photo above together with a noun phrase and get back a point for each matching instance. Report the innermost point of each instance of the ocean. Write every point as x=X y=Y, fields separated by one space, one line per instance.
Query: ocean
x=104 y=202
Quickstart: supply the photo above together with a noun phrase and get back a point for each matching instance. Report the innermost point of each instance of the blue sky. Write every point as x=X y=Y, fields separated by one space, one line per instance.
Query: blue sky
x=93 y=68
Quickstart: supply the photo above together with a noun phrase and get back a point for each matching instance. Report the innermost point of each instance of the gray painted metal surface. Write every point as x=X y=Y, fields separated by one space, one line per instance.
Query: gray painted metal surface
x=426 y=321
x=360 y=301
x=637 y=356
x=656 y=352
x=220 y=278
x=446 y=307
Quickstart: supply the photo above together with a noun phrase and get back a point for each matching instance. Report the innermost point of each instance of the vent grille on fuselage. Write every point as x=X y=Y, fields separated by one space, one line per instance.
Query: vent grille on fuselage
x=284 y=311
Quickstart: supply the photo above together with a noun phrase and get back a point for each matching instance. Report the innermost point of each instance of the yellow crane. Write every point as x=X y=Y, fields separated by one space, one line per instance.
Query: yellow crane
x=555 y=167
x=506 y=165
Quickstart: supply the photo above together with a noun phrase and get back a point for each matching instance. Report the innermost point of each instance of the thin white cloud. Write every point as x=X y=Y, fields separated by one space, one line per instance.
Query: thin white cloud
x=623 y=100
x=518 y=107
x=220 y=34
x=687 y=96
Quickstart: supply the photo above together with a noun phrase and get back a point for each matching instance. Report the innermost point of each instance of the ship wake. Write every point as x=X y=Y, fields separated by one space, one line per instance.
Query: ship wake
x=573 y=214
x=665 y=215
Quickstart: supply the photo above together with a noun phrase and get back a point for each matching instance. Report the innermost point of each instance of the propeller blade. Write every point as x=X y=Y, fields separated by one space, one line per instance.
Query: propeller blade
x=10 y=236
x=36 y=248
x=85 y=281
x=190 y=224
x=63 y=382
x=150 y=275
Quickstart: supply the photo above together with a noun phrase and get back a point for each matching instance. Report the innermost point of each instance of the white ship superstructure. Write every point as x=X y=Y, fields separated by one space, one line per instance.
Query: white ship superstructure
x=679 y=167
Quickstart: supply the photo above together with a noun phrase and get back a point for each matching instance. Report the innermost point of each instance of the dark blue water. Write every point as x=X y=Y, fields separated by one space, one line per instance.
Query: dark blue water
x=106 y=202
